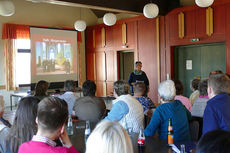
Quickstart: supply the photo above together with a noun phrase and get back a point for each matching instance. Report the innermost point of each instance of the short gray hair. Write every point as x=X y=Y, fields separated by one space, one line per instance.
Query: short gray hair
x=109 y=137
x=167 y=90
x=121 y=87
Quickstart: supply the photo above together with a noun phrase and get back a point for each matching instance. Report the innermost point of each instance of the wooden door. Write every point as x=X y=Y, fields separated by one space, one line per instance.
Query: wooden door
x=203 y=60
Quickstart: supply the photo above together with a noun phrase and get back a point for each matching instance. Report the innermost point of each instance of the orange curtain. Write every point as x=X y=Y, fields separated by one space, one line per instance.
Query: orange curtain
x=10 y=33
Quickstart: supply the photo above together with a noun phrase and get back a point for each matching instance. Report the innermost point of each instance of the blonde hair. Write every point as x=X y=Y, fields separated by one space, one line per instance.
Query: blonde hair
x=109 y=137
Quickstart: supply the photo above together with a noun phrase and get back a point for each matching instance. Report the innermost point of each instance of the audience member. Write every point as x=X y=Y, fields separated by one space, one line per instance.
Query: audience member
x=138 y=76
x=24 y=126
x=215 y=72
x=41 y=89
x=195 y=92
x=169 y=108
x=51 y=117
x=139 y=90
x=109 y=137
x=200 y=103
x=89 y=107
x=216 y=141
x=179 y=91
x=216 y=114
x=126 y=109
x=69 y=96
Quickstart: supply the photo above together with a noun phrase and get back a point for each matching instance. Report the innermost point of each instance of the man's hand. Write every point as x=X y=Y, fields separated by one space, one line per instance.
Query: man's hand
x=65 y=139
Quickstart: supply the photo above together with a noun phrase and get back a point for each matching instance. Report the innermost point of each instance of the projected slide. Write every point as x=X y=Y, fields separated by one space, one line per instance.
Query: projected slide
x=54 y=55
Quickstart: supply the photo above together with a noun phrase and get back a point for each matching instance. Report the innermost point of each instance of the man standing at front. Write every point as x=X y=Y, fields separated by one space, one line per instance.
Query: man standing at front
x=216 y=114
x=138 y=76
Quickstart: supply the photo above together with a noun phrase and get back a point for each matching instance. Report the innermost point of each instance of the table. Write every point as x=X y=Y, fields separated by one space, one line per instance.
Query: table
x=153 y=145
x=19 y=95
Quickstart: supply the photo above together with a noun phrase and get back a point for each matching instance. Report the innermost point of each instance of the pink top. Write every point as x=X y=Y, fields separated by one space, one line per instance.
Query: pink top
x=41 y=147
x=185 y=101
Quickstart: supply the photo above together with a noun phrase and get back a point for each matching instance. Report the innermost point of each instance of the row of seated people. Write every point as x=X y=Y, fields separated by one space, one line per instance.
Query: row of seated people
x=129 y=112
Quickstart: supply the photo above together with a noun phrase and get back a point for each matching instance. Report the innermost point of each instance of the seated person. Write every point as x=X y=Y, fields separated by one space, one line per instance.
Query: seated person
x=215 y=72
x=126 y=109
x=23 y=128
x=69 y=96
x=216 y=114
x=139 y=90
x=200 y=103
x=109 y=137
x=195 y=92
x=89 y=107
x=51 y=117
x=179 y=91
x=41 y=89
x=216 y=141
x=169 y=108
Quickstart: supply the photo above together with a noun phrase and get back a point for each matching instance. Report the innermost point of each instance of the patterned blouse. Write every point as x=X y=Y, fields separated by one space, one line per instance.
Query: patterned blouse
x=146 y=102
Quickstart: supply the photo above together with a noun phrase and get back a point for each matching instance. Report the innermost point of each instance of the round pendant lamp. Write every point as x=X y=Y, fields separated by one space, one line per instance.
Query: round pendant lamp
x=80 y=25
x=109 y=19
x=151 y=10
x=7 y=8
x=204 y=3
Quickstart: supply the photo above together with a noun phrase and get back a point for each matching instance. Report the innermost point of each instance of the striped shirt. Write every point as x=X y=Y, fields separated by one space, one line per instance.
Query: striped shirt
x=39 y=138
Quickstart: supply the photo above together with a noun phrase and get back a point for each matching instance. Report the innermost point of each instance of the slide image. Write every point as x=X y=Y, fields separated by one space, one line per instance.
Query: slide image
x=54 y=58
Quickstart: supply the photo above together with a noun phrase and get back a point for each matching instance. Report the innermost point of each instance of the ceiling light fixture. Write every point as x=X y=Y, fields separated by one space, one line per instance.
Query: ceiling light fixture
x=80 y=25
x=109 y=19
x=151 y=10
x=204 y=3
x=7 y=8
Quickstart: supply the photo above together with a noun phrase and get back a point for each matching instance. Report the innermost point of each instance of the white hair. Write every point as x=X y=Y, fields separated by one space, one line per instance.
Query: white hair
x=1 y=104
x=167 y=90
x=109 y=137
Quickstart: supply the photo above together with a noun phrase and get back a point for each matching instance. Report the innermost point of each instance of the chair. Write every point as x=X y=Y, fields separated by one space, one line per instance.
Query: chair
x=194 y=130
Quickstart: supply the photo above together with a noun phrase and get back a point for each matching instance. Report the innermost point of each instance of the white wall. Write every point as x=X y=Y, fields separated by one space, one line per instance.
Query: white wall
x=44 y=14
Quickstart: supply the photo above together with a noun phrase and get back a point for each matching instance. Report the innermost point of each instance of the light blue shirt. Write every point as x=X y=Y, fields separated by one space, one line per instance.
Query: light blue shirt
x=118 y=111
x=70 y=99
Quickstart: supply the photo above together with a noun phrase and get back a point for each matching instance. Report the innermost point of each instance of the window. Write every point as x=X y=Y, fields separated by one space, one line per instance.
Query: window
x=23 y=61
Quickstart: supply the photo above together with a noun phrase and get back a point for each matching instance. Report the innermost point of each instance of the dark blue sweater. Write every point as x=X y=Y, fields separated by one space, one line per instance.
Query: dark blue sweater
x=134 y=78
x=217 y=114
x=159 y=122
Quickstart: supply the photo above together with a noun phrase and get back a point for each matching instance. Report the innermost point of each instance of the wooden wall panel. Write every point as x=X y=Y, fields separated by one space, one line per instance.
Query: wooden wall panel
x=89 y=39
x=109 y=87
x=117 y=36
x=173 y=28
x=90 y=65
x=219 y=19
x=190 y=24
x=148 y=53
x=100 y=66
x=98 y=37
x=100 y=88
x=109 y=65
x=199 y=23
x=109 y=36
x=131 y=34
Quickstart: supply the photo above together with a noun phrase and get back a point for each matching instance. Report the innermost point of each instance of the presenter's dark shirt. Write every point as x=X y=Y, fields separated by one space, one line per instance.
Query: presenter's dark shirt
x=90 y=108
x=217 y=114
x=135 y=77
